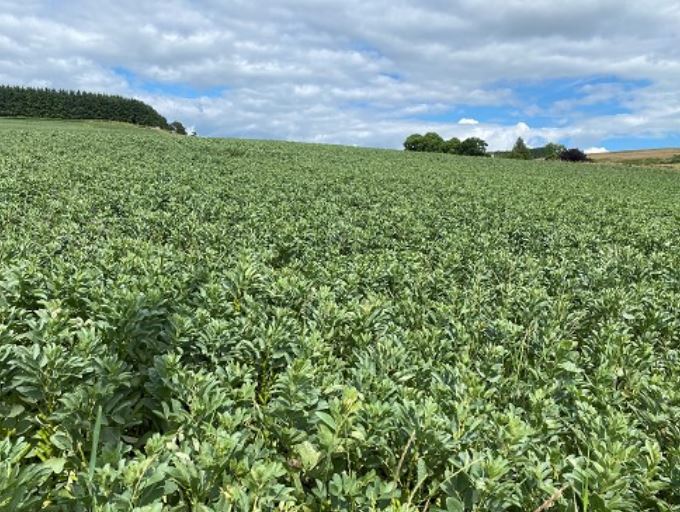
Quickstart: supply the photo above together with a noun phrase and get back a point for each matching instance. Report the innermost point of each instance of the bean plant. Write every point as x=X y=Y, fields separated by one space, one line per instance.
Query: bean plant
x=222 y=325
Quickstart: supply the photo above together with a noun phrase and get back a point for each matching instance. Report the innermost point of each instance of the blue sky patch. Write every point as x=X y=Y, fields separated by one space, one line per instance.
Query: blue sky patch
x=178 y=90
x=574 y=97
x=624 y=143
x=556 y=102
x=393 y=76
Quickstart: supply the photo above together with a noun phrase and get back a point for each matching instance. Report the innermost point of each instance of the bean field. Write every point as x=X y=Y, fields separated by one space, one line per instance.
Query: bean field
x=203 y=324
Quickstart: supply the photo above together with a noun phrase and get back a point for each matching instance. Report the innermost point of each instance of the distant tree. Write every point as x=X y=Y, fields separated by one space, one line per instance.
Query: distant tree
x=414 y=143
x=573 y=155
x=452 y=146
x=60 y=104
x=520 y=150
x=552 y=151
x=473 y=146
x=433 y=143
x=178 y=128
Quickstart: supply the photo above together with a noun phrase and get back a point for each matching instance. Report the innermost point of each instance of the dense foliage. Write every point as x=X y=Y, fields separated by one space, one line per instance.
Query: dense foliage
x=473 y=146
x=550 y=151
x=192 y=324
x=573 y=155
x=432 y=142
x=520 y=151
x=50 y=103
x=178 y=128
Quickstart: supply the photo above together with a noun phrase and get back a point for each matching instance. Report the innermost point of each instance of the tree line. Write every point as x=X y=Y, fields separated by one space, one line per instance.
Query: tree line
x=551 y=151
x=16 y=101
x=432 y=142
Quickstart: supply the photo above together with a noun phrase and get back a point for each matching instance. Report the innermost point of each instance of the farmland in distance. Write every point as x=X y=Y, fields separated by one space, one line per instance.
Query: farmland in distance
x=203 y=324
x=666 y=157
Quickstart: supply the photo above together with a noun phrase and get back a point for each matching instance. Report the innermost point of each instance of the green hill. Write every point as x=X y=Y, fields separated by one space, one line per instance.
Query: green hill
x=13 y=124
x=208 y=324
x=656 y=157
x=29 y=102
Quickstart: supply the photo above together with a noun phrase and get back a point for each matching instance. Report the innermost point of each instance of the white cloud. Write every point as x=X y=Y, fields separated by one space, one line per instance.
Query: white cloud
x=361 y=72
x=595 y=151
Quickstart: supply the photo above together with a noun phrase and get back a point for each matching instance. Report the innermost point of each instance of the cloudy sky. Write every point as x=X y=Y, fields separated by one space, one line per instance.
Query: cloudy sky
x=587 y=73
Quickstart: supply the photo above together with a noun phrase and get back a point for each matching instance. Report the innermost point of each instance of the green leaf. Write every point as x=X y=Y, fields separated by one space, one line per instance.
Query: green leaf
x=423 y=472
x=61 y=441
x=570 y=367
x=454 y=505
x=309 y=456
x=55 y=464
x=95 y=444
x=327 y=419
x=15 y=411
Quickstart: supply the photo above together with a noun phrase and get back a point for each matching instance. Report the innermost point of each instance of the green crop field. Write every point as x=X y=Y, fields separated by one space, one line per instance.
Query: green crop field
x=197 y=324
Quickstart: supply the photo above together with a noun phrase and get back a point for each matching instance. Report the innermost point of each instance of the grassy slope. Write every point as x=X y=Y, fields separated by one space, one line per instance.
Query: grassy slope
x=23 y=123
x=274 y=321
x=636 y=154
x=640 y=157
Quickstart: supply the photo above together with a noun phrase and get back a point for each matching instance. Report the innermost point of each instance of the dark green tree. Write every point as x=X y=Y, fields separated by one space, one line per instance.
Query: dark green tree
x=414 y=142
x=452 y=146
x=552 y=151
x=178 y=128
x=473 y=146
x=520 y=151
x=433 y=142
x=573 y=155
x=60 y=104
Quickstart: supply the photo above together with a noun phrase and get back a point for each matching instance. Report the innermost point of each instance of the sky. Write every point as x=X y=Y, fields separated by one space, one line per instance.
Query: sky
x=595 y=74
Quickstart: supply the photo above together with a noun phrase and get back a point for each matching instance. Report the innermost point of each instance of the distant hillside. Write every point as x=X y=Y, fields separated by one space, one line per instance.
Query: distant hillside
x=57 y=104
x=642 y=156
